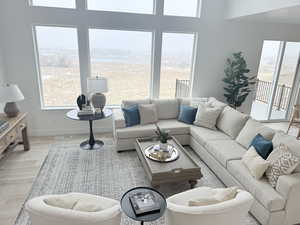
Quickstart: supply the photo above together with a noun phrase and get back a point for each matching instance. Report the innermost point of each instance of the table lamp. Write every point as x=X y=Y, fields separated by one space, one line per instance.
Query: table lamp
x=96 y=86
x=10 y=94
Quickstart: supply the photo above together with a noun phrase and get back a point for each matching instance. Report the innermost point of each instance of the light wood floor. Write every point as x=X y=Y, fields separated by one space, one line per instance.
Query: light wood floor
x=18 y=170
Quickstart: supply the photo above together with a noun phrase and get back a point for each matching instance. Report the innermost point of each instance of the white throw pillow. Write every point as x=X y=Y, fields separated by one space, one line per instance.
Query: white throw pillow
x=207 y=116
x=166 y=108
x=251 y=129
x=255 y=163
x=282 y=162
x=291 y=142
x=215 y=196
x=148 y=113
x=231 y=121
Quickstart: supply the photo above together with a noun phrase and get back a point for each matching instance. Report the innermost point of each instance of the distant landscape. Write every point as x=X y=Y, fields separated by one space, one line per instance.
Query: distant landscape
x=128 y=75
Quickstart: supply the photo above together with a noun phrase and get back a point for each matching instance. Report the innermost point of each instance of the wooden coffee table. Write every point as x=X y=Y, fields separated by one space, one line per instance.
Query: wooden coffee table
x=181 y=170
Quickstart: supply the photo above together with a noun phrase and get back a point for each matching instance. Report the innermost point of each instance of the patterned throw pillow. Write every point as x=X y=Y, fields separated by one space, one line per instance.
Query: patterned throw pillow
x=282 y=162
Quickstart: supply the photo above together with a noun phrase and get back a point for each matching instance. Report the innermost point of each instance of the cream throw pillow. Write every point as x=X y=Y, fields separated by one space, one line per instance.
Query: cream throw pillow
x=216 y=196
x=207 y=116
x=148 y=113
x=255 y=163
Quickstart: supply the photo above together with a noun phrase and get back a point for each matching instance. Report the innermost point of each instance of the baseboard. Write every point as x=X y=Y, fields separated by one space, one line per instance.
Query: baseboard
x=54 y=132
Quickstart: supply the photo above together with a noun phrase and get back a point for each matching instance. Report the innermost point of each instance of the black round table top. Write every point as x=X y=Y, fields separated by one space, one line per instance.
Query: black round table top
x=128 y=210
x=73 y=114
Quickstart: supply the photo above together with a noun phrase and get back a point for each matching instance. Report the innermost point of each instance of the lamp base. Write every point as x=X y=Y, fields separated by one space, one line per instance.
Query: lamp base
x=11 y=109
x=98 y=100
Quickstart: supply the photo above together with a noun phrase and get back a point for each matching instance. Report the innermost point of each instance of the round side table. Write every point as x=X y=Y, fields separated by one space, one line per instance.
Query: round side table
x=90 y=144
x=128 y=210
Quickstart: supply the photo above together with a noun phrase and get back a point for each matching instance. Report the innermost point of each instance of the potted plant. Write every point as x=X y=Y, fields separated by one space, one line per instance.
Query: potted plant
x=163 y=137
x=237 y=80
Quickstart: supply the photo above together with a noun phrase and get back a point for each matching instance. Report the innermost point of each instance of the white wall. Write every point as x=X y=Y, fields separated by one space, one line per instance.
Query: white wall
x=218 y=39
x=240 y=8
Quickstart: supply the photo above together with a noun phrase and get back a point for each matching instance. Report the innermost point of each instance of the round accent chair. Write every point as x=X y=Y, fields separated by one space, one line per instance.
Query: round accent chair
x=231 y=211
x=73 y=209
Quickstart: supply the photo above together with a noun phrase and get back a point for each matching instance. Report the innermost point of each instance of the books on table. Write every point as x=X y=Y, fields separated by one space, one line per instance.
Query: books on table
x=144 y=202
x=3 y=125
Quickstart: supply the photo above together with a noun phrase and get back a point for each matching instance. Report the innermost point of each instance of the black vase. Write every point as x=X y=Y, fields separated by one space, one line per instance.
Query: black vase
x=81 y=100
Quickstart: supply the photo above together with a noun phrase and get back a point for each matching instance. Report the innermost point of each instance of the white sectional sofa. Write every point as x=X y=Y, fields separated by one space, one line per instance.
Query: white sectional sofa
x=222 y=150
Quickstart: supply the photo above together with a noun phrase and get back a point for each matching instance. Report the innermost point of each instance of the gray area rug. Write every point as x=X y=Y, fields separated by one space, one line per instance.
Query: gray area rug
x=104 y=172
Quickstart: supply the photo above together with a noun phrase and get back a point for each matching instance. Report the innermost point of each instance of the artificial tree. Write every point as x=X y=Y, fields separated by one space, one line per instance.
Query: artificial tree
x=237 y=82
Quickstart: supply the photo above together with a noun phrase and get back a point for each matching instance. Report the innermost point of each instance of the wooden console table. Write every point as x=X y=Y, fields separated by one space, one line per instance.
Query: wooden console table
x=17 y=127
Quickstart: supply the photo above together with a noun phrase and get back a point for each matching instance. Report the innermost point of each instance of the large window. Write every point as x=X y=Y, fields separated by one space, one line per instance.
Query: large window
x=177 y=57
x=131 y=6
x=55 y=3
x=132 y=43
x=187 y=8
x=58 y=65
x=124 y=57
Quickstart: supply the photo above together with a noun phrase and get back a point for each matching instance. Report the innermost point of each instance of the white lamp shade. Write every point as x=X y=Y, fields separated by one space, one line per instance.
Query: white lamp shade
x=10 y=93
x=97 y=85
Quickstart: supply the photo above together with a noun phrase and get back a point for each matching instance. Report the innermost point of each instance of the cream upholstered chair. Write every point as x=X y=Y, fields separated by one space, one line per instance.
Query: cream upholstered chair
x=41 y=213
x=231 y=212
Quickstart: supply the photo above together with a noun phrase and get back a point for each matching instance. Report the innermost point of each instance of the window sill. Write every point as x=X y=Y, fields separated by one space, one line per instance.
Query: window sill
x=66 y=108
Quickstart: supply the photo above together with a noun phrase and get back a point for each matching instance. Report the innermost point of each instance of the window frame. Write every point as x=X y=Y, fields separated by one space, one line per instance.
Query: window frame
x=156 y=23
x=38 y=66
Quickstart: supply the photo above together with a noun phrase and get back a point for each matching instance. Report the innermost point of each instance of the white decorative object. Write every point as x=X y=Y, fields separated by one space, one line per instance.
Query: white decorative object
x=96 y=87
x=10 y=94
x=73 y=209
x=231 y=212
x=255 y=163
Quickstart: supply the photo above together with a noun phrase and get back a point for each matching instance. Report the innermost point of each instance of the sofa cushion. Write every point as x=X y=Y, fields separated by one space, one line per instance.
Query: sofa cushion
x=148 y=113
x=255 y=163
x=202 y=135
x=207 y=116
x=187 y=114
x=194 y=102
x=167 y=108
x=231 y=121
x=128 y=103
x=291 y=142
x=225 y=150
x=174 y=127
x=131 y=115
x=215 y=103
x=262 y=146
x=260 y=189
x=136 y=131
x=251 y=129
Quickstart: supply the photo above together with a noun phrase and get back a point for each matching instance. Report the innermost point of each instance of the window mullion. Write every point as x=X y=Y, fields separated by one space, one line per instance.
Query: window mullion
x=81 y=4
x=159 y=7
x=156 y=64
x=84 y=56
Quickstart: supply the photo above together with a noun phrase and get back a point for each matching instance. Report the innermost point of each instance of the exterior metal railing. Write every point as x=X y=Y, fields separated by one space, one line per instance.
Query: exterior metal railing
x=182 y=88
x=282 y=95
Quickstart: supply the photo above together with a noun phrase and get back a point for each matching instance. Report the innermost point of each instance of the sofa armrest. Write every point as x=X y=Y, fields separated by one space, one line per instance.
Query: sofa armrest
x=289 y=187
x=118 y=119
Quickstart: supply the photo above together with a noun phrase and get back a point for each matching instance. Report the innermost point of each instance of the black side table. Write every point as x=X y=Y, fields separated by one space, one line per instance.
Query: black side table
x=90 y=144
x=128 y=210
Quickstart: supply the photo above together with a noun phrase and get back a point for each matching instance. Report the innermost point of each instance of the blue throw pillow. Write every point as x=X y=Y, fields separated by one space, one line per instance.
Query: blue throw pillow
x=131 y=115
x=262 y=146
x=187 y=114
